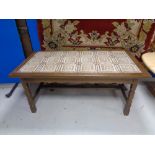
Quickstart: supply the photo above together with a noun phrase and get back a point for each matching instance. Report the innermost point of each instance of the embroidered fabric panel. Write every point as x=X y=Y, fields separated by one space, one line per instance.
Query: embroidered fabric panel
x=80 y=62
x=135 y=35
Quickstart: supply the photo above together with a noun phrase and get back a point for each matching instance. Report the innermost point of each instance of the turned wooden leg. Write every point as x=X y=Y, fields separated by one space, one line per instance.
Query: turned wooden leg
x=29 y=97
x=130 y=97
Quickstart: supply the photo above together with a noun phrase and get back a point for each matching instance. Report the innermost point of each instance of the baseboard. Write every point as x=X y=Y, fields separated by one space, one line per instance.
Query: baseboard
x=8 y=85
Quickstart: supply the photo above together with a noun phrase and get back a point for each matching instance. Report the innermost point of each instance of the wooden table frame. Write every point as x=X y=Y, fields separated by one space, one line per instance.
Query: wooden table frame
x=81 y=78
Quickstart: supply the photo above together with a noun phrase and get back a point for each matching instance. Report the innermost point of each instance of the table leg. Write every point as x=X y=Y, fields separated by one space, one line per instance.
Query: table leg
x=29 y=96
x=130 y=97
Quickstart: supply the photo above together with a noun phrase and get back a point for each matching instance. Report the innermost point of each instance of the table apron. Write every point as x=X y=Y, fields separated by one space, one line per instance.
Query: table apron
x=77 y=81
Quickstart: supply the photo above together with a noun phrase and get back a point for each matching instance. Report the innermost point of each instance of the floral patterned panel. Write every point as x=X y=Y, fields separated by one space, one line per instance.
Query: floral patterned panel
x=90 y=34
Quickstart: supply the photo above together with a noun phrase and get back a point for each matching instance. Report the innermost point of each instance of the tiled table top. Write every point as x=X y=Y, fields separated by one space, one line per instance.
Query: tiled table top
x=80 y=62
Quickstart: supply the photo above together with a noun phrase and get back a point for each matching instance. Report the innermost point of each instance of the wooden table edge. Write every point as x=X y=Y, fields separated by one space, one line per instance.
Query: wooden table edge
x=143 y=74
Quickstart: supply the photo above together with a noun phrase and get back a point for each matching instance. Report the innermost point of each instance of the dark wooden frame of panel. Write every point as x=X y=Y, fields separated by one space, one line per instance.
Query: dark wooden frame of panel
x=26 y=44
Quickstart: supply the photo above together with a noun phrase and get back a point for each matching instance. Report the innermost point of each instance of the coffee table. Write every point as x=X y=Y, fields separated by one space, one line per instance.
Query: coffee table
x=79 y=67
